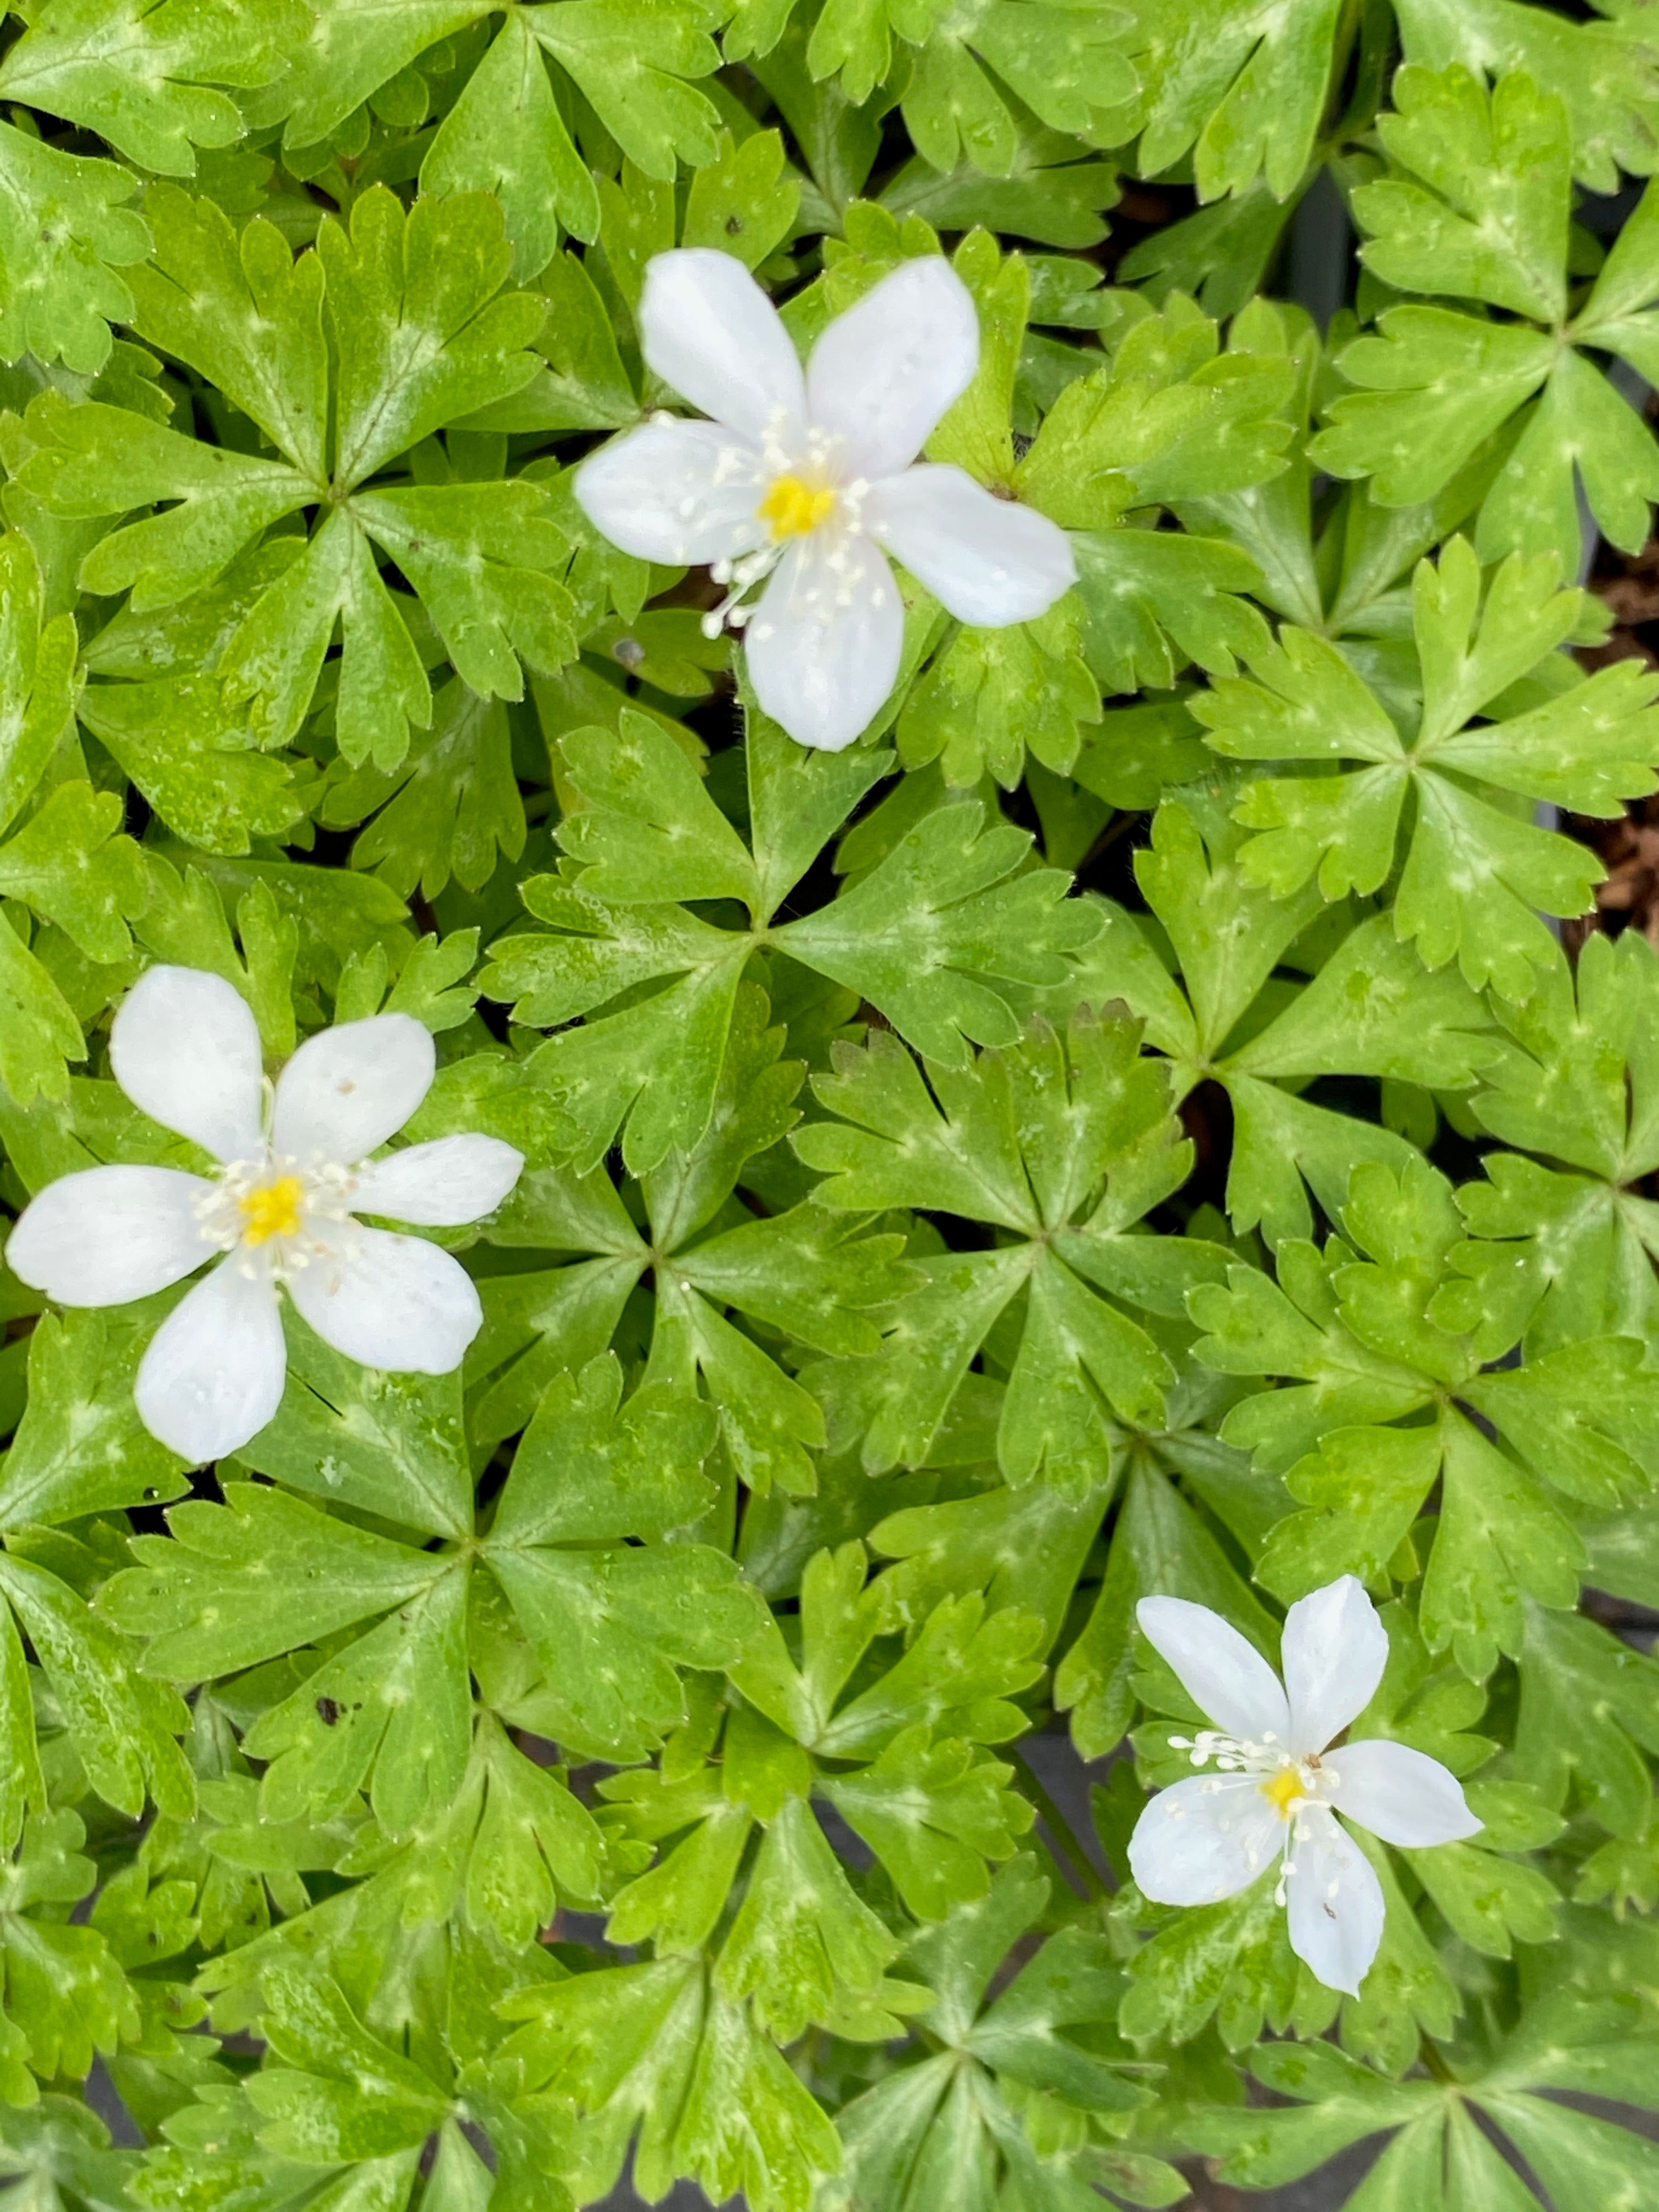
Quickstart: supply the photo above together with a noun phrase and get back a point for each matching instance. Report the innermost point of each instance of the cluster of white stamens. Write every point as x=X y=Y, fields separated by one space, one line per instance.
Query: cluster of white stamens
x=1287 y=1783
x=799 y=494
x=274 y=1206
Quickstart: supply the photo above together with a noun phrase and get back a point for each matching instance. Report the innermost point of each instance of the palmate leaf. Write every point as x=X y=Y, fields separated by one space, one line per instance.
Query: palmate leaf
x=1369 y=1009
x=60 y=2150
x=148 y=75
x=1161 y=1546
x=38 y=1033
x=451 y=807
x=1064 y=1143
x=610 y=1622
x=651 y=2056
x=1482 y=213
x=799 y=1271
x=1473 y=870
x=1062 y=62
x=1397 y=1339
x=650 y=110
x=243 y=313
x=1438 y=2155
x=899 y=1759
x=962 y=2119
x=940 y=936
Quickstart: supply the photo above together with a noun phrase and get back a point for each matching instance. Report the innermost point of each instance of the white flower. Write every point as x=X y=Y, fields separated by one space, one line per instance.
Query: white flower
x=1277 y=1787
x=803 y=478
x=184 y=1047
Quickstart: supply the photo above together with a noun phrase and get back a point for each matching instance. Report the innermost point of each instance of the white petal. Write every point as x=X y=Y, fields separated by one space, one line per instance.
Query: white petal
x=1225 y=1675
x=1398 y=1794
x=442 y=1184
x=884 y=373
x=392 y=1302
x=988 y=561
x=1334 y=1900
x=1203 y=1840
x=213 y=1375
x=1333 y=1650
x=185 y=1047
x=707 y=329
x=109 y=1234
x=825 y=643
x=680 y=493
x=347 y=1090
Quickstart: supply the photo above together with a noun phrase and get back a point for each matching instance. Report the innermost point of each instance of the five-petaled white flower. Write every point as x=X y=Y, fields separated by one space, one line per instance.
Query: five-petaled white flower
x=805 y=477
x=1277 y=1787
x=185 y=1048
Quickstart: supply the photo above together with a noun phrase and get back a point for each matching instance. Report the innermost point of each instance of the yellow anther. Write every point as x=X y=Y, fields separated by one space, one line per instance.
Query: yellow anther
x=791 y=507
x=273 y=1210
x=1284 y=1792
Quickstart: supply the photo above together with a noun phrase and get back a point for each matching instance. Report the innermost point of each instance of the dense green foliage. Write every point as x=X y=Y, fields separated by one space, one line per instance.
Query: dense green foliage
x=1127 y=1125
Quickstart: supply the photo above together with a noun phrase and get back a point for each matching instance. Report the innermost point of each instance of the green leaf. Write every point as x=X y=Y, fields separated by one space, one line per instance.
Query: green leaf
x=1493 y=223
x=1064 y=1143
x=802 y=1943
x=1171 y=417
x=146 y=77
x=342 y=2095
x=647 y=2048
x=1061 y=59
x=386 y=1445
x=1160 y=1546
x=38 y=1033
x=451 y=808
x=198 y=772
x=1586 y=1705
x=64 y=1995
x=70 y=862
x=1597 y=739
x=951 y=886
x=1245 y=94
x=992 y=695
x=1489 y=221
x=81 y=1448
x=37 y=670
x=241 y=310
x=612 y=1628
x=933 y=1812
x=123 y=1728
x=391 y=1713
x=969 y=2117
x=262 y=1574
x=65 y=235
x=1154 y=600
x=654 y=115
x=505 y=135
x=649 y=830
x=742 y=202
x=1604 y=71
x=1440 y=2159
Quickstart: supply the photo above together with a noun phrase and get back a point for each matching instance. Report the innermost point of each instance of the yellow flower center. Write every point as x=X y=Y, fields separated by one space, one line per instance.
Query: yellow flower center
x=273 y=1210
x=1284 y=1792
x=791 y=507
